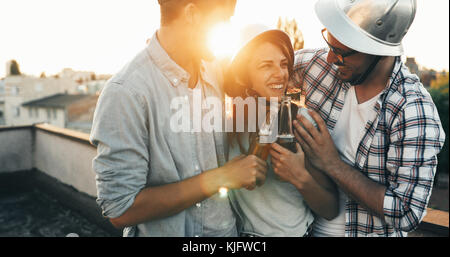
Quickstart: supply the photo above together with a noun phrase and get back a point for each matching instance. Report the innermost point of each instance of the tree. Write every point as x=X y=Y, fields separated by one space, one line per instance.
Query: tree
x=440 y=82
x=14 y=68
x=291 y=28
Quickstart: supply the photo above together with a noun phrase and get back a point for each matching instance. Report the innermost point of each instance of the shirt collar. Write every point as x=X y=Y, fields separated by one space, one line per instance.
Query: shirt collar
x=211 y=75
x=392 y=84
x=177 y=75
x=171 y=70
x=396 y=76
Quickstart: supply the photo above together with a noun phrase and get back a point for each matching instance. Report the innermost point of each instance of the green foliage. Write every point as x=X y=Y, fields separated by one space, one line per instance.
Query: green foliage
x=439 y=92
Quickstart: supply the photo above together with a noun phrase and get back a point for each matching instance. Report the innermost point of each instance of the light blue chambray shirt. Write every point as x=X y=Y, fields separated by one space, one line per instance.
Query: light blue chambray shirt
x=137 y=149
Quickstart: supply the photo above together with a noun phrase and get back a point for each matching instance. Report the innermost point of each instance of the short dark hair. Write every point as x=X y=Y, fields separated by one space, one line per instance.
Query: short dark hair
x=170 y=9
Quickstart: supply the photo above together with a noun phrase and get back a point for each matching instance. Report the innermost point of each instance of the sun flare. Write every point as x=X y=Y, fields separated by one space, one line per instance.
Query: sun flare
x=223 y=40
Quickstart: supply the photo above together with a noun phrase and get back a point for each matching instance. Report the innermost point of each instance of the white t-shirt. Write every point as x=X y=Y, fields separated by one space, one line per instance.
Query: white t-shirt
x=347 y=135
x=275 y=209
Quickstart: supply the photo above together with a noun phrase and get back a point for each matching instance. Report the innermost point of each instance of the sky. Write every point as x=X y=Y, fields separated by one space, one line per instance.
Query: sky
x=103 y=35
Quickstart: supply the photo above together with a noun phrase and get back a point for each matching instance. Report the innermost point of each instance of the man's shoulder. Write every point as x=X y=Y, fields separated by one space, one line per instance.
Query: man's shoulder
x=411 y=86
x=409 y=89
x=304 y=57
x=130 y=80
x=134 y=74
x=410 y=100
x=313 y=73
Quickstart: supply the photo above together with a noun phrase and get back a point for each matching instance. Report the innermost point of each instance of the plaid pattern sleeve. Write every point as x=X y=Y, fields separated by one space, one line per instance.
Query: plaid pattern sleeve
x=399 y=149
x=415 y=140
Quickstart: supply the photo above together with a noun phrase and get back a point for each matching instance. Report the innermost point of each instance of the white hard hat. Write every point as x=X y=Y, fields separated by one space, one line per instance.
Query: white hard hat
x=258 y=31
x=374 y=27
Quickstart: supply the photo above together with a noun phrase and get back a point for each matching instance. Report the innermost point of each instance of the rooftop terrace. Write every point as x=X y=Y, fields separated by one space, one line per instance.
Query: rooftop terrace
x=47 y=186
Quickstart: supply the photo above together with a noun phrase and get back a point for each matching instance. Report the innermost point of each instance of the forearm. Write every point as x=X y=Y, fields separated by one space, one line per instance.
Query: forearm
x=321 y=201
x=164 y=201
x=357 y=186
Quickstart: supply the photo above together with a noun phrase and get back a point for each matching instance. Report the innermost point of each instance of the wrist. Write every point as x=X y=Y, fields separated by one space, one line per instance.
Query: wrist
x=214 y=180
x=301 y=182
x=334 y=166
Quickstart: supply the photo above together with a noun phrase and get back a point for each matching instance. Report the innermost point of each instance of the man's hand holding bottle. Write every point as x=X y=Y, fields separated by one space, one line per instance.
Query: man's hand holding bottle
x=243 y=172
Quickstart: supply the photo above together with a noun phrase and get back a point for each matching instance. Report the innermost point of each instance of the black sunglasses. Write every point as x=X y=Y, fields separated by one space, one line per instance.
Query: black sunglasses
x=339 y=56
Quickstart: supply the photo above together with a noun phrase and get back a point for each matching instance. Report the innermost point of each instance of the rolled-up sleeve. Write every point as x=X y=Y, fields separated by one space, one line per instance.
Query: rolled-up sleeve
x=416 y=139
x=120 y=132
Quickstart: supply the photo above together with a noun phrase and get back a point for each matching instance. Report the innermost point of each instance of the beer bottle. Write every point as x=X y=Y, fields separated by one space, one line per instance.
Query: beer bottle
x=286 y=136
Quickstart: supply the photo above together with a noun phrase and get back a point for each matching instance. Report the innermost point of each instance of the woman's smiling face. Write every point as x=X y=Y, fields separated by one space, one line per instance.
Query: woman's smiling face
x=268 y=70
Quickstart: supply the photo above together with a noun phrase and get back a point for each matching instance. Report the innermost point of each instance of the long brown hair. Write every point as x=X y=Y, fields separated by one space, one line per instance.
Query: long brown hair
x=237 y=82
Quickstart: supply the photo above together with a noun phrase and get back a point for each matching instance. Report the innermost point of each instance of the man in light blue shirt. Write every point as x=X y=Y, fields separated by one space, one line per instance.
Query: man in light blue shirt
x=151 y=180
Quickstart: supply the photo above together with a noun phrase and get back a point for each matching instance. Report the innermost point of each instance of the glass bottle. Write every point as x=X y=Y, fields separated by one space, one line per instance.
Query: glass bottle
x=260 y=144
x=285 y=134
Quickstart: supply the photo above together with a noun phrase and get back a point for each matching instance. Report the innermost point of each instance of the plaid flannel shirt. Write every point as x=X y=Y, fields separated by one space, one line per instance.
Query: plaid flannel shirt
x=399 y=148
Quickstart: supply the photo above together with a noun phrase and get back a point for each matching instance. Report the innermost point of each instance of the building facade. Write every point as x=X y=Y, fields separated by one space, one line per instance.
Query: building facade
x=21 y=89
x=74 y=111
x=2 y=102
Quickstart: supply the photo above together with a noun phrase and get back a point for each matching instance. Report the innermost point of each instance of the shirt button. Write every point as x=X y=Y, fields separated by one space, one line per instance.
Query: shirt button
x=197 y=167
x=175 y=81
x=198 y=205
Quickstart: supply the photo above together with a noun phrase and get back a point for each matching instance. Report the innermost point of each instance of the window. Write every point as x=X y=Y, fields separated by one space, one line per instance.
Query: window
x=36 y=112
x=54 y=114
x=17 y=112
x=30 y=112
x=15 y=90
x=48 y=114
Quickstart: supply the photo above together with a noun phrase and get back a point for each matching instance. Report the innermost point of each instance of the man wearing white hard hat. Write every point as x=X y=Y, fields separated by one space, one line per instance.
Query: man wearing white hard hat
x=379 y=131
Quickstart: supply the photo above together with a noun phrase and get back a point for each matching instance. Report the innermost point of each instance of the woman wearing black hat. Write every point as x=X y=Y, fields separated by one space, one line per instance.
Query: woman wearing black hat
x=285 y=203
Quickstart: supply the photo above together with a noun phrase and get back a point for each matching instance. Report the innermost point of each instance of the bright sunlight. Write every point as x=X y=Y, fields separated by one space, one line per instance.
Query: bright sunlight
x=223 y=40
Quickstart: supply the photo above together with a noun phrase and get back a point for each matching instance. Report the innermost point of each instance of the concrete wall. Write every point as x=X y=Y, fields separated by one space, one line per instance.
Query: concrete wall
x=56 y=161
x=16 y=149
x=63 y=154
x=69 y=160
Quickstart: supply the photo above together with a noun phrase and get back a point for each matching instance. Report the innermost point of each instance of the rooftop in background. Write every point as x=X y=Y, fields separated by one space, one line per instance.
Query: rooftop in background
x=57 y=100
x=26 y=212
